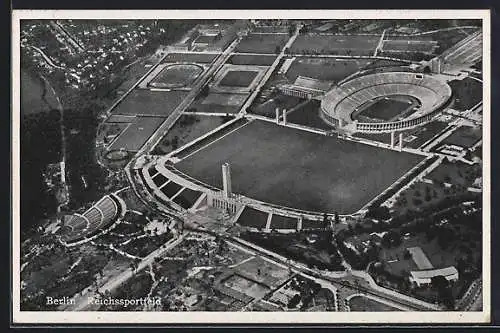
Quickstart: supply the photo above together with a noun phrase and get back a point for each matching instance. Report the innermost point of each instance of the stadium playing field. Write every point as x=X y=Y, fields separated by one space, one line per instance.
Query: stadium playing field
x=178 y=75
x=299 y=169
x=190 y=57
x=252 y=59
x=328 y=69
x=464 y=136
x=238 y=78
x=137 y=133
x=262 y=43
x=388 y=108
x=151 y=103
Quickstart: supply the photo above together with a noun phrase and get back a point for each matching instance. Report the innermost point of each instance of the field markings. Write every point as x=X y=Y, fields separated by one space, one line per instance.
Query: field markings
x=214 y=141
x=120 y=134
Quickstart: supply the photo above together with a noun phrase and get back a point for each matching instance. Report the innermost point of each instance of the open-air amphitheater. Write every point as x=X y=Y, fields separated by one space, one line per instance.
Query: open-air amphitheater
x=102 y=214
x=340 y=103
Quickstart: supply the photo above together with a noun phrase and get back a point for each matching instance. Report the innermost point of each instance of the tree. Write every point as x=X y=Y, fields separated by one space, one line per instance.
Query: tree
x=378 y=212
x=445 y=295
x=406 y=255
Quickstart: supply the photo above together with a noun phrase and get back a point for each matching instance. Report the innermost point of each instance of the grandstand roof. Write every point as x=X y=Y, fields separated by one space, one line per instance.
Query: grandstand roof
x=311 y=83
x=428 y=274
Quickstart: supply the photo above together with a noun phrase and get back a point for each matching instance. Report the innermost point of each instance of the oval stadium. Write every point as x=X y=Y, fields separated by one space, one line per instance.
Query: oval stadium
x=385 y=102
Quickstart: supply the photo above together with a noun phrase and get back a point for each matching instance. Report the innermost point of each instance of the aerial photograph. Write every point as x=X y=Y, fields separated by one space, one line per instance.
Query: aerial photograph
x=259 y=165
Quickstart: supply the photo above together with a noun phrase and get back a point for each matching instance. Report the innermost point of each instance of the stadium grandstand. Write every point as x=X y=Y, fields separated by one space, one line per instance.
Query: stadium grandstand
x=305 y=87
x=340 y=103
x=463 y=54
x=100 y=215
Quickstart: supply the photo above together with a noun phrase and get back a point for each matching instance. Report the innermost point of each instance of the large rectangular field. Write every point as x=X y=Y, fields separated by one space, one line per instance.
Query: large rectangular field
x=328 y=69
x=308 y=115
x=150 y=103
x=262 y=43
x=252 y=59
x=409 y=45
x=134 y=137
x=336 y=44
x=299 y=169
x=238 y=78
x=424 y=133
x=386 y=109
x=191 y=57
x=464 y=136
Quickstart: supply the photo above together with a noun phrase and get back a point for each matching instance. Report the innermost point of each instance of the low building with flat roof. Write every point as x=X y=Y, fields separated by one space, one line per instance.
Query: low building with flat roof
x=425 y=277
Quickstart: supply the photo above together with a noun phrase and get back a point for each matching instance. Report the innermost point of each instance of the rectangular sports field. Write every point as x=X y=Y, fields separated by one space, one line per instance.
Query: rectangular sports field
x=425 y=133
x=191 y=57
x=299 y=169
x=262 y=43
x=386 y=109
x=150 y=103
x=238 y=78
x=464 y=136
x=328 y=69
x=336 y=44
x=409 y=45
x=137 y=133
x=252 y=59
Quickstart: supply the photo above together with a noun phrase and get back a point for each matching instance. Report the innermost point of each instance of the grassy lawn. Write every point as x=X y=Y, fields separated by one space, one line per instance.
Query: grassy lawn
x=283 y=222
x=252 y=218
x=382 y=137
x=238 y=78
x=268 y=108
x=252 y=59
x=217 y=103
x=151 y=103
x=136 y=135
x=360 y=303
x=425 y=133
x=262 y=43
x=328 y=69
x=190 y=57
x=408 y=45
x=467 y=93
x=335 y=44
x=464 y=136
x=308 y=115
x=186 y=129
x=177 y=75
x=386 y=109
x=299 y=169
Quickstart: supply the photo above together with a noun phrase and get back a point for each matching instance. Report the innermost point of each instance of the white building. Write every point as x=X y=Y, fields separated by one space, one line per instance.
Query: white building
x=425 y=277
